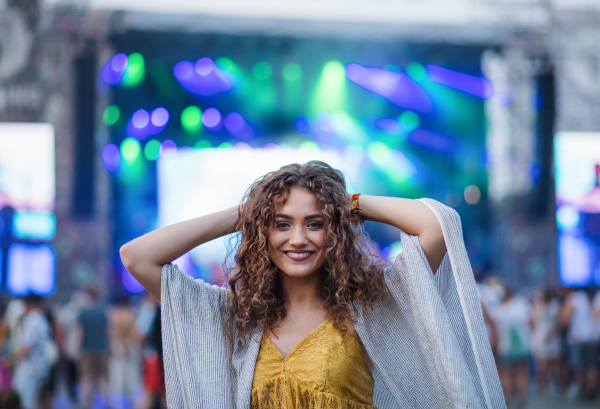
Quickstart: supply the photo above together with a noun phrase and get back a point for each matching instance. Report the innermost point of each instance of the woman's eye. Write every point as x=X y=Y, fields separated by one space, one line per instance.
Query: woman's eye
x=315 y=225
x=282 y=225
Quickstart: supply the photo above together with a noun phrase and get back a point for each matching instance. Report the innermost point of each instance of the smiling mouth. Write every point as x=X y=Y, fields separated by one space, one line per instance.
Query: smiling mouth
x=299 y=255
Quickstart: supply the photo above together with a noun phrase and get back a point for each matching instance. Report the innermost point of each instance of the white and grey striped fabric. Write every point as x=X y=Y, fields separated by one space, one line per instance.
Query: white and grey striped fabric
x=427 y=342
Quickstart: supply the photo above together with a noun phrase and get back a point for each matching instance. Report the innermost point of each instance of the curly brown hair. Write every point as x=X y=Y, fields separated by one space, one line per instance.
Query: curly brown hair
x=351 y=274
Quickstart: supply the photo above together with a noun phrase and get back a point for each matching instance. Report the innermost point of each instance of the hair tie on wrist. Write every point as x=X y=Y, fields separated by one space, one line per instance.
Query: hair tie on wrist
x=353 y=206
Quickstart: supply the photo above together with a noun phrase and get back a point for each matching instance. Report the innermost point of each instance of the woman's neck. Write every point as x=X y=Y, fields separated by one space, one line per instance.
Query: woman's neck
x=302 y=293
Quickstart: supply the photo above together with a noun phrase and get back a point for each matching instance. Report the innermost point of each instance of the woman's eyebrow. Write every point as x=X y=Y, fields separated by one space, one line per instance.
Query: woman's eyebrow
x=287 y=216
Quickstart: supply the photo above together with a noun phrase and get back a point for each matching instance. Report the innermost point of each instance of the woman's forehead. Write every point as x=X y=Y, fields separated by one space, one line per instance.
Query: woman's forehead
x=300 y=200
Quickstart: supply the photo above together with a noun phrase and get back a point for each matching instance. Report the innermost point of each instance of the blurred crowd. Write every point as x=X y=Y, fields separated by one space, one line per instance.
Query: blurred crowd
x=88 y=354
x=84 y=354
x=545 y=341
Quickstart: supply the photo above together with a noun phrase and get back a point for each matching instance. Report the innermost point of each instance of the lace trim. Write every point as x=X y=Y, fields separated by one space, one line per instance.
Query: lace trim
x=285 y=392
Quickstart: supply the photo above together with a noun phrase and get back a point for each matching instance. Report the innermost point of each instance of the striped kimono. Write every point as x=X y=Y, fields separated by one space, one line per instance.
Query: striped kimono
x=427 y=342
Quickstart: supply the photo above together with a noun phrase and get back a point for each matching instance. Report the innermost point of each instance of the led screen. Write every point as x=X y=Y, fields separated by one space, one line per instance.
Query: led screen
x=577 y=162
x=27 y=166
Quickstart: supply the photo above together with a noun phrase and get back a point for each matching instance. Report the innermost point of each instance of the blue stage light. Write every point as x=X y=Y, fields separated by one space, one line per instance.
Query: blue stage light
x=202 y=78
x=479 y=86
x=302 y=124
x=433 y=141
x=397 y=87
x=111 y=157
x=31 y=224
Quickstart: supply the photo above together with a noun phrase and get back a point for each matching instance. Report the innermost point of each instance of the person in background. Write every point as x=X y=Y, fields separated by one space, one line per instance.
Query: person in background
x=545 y=343
x=576 y=318
x=92 y=326
x=124 y=363
x=511 y=317
x=10 y=400
x=148 y=326
x=33 y=366
x=67 y=317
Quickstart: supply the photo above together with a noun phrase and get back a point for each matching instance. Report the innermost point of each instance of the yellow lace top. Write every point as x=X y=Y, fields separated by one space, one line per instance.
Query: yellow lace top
x=327 y=369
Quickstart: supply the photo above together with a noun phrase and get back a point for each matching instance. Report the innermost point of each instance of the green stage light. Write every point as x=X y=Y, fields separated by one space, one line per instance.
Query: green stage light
x=416 y=71
x=379 y=153
x=225 y=145
x=152 y=150
x=202 y=143
x=409 y=120
x=135 y=71
x=226 y=63
x=291 y=72
x=111 y=115
x=130 y=150
x=308 y=146
x=330 y=92
x=191 y=119
x=262 y=70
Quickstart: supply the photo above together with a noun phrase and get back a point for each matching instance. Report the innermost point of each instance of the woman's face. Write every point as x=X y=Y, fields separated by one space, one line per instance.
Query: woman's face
x=297 y=242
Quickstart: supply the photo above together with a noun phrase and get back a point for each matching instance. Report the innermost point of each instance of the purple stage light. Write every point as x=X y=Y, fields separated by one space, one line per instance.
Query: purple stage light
x=302 y=124
x=432 y=141
x=111 y=156
x=390 y=126
x=479 y=86
x=159 y=117
x=143 y=123
x=211 y=118
x=242 y=146
x=202 y=78
x=167 y=147
x=204 y=66
x=398 y=88
x=271 y=146
x=234 y=123
x=119 y=62
x=112 y=71
x=140 y=118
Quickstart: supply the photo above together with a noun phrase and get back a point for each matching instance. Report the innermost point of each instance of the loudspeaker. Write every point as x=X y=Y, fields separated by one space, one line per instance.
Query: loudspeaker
x=82 y=205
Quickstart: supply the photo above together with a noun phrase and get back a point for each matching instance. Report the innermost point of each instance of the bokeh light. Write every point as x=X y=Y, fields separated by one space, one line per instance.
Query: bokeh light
x=111 y=156
x=152 y=150
x=212 y=119
x=130 y=150
x=262 y=71
x=234 y=123
x=191 y=119
x=135 y=71
x=292 y=72
x=409 y=120
x=168 y=147
x=111 y=115
x=302 y=124
x=140 y=118
x=159 y=117
x=204 y=66
x=472 y=194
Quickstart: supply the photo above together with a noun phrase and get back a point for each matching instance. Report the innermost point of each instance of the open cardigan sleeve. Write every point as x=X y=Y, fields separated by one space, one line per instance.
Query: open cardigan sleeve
x=197 y=360
x=427 y=339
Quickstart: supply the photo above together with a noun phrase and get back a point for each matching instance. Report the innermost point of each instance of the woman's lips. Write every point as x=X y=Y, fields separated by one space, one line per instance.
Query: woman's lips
x=298 y=255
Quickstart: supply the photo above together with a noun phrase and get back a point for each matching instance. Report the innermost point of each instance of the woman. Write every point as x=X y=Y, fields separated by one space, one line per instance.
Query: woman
x=310 y=320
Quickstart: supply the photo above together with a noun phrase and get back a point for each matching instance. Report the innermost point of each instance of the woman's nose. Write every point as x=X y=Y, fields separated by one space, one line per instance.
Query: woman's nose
x=298 y=237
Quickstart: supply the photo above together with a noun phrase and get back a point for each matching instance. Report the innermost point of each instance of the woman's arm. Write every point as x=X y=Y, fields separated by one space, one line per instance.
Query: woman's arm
x=145 y=256
x=410 y=216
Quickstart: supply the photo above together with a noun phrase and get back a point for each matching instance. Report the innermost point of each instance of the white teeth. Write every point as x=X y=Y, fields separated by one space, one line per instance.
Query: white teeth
x=298 y=255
